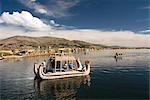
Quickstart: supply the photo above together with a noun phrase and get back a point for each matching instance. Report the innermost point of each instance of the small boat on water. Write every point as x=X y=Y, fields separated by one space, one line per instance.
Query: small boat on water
x=118 y=55
x=61 y=65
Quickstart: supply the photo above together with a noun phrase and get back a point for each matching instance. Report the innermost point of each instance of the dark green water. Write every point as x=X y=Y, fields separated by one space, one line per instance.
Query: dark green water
x=126 y=78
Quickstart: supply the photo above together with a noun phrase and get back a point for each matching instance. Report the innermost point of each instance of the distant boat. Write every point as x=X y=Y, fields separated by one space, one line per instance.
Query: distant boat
x=61 y=65
x=118 y=55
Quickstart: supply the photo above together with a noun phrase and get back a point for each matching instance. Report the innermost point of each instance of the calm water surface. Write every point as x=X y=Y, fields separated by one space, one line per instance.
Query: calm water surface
x=124 y=78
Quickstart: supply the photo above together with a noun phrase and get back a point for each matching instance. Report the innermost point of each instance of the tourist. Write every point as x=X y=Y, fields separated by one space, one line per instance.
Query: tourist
x=65 y=65
x=70 y=65
x=44 y=65
x=62 y=53
x=84 y=68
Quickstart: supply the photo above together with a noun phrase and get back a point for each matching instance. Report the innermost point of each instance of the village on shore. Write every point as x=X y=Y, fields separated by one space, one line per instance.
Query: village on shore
x=23 y=46
x=19 y=53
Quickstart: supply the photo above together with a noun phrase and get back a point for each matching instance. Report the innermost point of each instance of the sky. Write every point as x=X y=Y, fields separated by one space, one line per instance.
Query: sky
x=108 y=22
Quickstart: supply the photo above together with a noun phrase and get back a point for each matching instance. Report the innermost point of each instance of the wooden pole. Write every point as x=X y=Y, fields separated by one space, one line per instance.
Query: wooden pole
x=55 y=65
x=61 y=66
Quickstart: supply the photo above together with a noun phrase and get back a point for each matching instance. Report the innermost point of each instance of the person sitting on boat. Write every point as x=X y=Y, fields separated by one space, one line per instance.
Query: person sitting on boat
x=75 y=66
x=65 y=65
x=49 y=65
x=70 y=65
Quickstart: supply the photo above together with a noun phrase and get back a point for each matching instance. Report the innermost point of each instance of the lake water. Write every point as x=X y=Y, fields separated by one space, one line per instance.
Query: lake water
x=124 y=78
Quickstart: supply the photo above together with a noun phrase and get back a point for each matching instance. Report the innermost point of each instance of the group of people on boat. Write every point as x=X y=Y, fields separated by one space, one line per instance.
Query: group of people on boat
x=63 y=66
x=68 y=66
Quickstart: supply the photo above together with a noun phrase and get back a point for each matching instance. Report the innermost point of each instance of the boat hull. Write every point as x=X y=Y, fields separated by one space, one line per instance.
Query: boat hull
x=57 y=75
x=36 y=69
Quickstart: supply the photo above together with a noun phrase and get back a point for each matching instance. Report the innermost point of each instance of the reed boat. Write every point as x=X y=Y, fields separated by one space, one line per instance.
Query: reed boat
x=61 y=66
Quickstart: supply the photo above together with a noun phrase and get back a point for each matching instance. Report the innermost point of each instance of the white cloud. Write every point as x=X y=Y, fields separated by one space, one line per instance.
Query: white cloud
x=146 y=7
x=42 y=11
x=33 y=0
x=146 y=31
x=53 y=23
x=17 y=24
x=24 y=19
x=35 y=6
x=55 y=8
x=121 y=38
x=10 y=31
x=61 y=7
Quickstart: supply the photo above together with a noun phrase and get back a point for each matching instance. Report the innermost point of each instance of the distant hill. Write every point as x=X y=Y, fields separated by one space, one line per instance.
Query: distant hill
x=22 y=42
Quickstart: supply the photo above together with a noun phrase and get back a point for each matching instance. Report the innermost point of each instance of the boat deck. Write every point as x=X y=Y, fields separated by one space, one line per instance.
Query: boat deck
x=64 y=73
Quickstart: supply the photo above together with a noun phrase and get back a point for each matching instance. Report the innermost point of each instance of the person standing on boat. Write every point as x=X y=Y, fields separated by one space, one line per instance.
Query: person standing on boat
x=44 y=65
x=79 y=65
x=84 y=68
x=62 y=53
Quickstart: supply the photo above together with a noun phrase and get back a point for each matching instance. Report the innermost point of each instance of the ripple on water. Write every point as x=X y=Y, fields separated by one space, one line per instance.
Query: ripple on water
x=126 y=78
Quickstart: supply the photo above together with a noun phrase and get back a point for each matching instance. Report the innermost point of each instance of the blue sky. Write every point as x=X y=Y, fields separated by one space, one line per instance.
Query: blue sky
x=97 y=14
x=103 y=15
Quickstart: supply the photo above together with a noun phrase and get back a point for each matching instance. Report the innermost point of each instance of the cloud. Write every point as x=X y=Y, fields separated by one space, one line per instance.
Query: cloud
x=18 y=24
x=25 y=20
x=61 y=7
x=53 y=23
x=120 y=38
x=35 y=6
x=55 y=8
x=147 y=7
x=32 y=0
x=10 y=31
x=57 y=26
x=41 y=10
x=146 y=31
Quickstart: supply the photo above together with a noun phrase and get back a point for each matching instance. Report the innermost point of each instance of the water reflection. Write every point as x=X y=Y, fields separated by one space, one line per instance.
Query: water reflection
x=61 y=89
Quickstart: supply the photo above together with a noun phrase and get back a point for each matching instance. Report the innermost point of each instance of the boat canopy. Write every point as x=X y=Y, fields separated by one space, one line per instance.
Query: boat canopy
x=62 y=57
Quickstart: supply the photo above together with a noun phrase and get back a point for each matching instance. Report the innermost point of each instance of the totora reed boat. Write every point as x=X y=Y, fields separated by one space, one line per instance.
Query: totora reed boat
x=61 y=65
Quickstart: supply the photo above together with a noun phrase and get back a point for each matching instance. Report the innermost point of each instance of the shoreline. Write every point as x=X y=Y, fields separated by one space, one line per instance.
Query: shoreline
x=46 y=54
x=25 y=56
